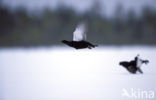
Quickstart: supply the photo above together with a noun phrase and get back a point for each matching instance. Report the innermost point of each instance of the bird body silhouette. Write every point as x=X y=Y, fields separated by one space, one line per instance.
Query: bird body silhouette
x=79 y=44
x=134 y=65
x=79 y=38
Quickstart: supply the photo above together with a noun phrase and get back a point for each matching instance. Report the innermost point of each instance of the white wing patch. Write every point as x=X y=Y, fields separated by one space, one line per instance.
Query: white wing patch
x=139 y=62
x=80 y=32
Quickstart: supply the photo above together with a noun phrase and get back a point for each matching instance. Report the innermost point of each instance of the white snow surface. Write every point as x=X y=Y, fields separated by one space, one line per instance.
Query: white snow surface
x=64 y=73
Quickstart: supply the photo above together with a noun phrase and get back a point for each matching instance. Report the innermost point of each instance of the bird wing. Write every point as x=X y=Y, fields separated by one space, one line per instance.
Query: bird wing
x=139 y=62
x=80 y=32
x=139 y=70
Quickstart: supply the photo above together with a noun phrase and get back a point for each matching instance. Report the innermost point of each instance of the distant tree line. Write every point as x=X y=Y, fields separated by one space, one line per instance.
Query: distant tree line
x=21 y=28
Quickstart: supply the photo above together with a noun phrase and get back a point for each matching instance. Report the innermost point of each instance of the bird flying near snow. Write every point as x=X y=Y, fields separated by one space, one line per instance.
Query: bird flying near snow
x=134 y=65
x=79 y=38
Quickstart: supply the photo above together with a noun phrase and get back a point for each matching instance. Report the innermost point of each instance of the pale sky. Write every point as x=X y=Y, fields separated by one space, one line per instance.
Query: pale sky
x=108 y=6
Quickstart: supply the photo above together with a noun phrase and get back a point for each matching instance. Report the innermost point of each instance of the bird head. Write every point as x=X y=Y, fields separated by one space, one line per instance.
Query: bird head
x=65 y=41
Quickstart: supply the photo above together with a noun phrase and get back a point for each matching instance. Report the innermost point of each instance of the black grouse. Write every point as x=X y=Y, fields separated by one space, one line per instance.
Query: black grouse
x=79 y=38
x=134 y=65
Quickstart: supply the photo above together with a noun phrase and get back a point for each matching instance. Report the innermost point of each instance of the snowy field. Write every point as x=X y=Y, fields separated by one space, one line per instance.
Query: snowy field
x=62 y=73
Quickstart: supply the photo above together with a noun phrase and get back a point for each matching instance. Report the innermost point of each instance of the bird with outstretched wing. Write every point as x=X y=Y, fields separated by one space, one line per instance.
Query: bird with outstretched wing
x=79 y=38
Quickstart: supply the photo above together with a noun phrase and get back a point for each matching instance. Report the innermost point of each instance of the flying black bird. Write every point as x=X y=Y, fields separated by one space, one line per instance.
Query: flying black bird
x=79 y=38
x=134 y=65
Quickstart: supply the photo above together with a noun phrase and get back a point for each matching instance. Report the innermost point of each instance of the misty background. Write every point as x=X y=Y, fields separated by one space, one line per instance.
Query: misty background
x=47 y=22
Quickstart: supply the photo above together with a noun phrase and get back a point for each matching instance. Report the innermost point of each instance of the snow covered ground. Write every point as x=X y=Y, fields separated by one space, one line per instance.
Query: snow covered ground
x=62 y=73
